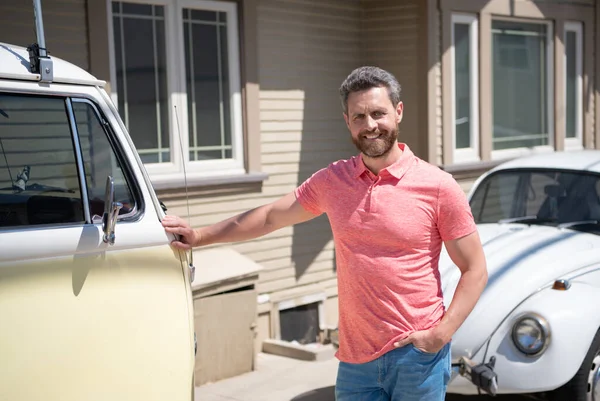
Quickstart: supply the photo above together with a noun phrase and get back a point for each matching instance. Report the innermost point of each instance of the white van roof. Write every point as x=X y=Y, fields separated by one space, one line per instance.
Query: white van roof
x=14 y=64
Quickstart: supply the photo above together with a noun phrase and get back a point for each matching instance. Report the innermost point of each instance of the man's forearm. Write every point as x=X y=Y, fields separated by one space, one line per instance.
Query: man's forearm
x=468 y=291
x=248 y=225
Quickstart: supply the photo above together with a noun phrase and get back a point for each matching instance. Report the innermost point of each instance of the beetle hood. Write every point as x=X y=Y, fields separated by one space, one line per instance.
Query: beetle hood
x=520 y=260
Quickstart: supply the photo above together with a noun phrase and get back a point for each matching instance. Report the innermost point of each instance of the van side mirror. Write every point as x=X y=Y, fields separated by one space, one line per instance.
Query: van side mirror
x=111 y=212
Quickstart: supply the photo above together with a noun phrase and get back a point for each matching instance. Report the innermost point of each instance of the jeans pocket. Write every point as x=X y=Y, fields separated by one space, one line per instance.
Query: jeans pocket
x=425 y=353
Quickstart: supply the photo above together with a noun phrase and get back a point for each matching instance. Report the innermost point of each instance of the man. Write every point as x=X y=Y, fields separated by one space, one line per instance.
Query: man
x=390 y=213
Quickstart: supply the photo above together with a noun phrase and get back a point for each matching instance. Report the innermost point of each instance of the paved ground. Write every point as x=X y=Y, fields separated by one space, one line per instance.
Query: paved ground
x=285 y=379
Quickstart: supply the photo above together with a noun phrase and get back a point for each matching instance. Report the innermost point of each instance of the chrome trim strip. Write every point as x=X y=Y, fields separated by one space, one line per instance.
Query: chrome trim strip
x=79 y=157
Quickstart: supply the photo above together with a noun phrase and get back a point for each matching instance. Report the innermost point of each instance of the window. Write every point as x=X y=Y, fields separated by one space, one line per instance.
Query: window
x=141 y=66
x=177 y=73
x=538 y=196
x=100 y=161
x=42 y=163
x=522 y=87
x=39 y=180
x=573 y=61
x=465 y=86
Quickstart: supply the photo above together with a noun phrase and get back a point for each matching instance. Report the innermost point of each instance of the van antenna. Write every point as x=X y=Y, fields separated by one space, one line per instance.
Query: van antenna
x=187 y=198
x=7 y=165
x=39 y=60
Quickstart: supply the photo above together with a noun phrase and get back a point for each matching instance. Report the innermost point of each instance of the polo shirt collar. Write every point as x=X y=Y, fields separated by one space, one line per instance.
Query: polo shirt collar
x=396 y=170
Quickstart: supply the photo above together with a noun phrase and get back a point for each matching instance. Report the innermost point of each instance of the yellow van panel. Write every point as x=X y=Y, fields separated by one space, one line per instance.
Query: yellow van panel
x=113 y=325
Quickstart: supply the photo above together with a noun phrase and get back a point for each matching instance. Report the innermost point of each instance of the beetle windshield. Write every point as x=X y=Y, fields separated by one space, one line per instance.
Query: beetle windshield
x=551 y=197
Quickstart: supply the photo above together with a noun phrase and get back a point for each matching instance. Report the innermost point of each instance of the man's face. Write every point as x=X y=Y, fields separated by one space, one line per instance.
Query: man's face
x=373 y=121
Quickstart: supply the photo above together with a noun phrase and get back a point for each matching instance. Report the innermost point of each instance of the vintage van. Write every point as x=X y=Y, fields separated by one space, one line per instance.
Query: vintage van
x=94 y=303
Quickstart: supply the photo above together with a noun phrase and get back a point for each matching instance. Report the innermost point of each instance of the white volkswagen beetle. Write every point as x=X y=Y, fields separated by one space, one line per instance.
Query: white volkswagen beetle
x=536 y=326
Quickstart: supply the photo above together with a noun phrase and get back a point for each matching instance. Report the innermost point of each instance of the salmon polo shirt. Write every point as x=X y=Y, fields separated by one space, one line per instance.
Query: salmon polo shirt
x=388 y=231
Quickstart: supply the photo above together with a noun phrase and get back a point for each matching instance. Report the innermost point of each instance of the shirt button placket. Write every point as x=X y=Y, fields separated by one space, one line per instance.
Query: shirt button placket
x=372 y=192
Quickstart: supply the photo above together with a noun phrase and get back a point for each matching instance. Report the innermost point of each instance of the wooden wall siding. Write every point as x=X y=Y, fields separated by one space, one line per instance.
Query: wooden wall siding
x=390 y=41
x=65 y=26
x=438 y=91
x=306 y=49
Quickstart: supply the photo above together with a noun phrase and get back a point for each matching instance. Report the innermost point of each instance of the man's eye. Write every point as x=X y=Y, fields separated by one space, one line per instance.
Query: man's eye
x=378 y=114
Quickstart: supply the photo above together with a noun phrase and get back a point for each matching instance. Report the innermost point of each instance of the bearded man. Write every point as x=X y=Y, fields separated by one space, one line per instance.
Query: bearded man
x=390 y=212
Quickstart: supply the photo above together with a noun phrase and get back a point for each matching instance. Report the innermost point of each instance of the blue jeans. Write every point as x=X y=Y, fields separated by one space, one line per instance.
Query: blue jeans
x=403 y=374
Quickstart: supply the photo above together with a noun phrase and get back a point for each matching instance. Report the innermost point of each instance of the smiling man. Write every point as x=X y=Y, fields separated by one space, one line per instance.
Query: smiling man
x=390 y=213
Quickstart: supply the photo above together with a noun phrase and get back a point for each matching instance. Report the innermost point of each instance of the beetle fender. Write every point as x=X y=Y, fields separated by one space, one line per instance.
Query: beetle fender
x=573 y=323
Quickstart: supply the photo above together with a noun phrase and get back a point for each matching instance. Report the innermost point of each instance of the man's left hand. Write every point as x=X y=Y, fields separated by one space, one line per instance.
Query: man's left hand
x=426 y=340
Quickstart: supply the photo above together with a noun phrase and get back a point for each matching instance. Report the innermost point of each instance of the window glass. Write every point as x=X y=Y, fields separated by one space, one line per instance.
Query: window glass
x=100 y=161
x=572 y=75
x=39 y=181
x=542 y=196
x=141 y=67
x=520 y=85
x=462 y=85
x=207 y=83
x=494 y=198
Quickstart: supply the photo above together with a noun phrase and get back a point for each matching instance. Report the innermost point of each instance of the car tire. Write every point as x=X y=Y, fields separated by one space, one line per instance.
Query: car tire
x=580 y=388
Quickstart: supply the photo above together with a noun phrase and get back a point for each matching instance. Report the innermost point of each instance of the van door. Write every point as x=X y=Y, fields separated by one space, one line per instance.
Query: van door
x=83 y=319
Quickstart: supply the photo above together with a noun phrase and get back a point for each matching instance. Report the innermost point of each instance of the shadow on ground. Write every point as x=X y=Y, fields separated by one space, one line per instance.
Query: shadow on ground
x=328 y=394
x=319 y=394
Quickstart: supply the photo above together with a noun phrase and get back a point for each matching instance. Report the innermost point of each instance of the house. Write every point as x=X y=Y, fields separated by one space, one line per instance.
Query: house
x=242 y=97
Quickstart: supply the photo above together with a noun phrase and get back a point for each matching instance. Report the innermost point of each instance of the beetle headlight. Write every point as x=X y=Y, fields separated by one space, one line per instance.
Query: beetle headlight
x=531 y=334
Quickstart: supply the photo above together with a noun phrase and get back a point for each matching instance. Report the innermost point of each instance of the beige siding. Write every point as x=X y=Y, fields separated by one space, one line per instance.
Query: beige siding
x=65 y=26
x=438 y=90
x=306 y=49
x=391 y=41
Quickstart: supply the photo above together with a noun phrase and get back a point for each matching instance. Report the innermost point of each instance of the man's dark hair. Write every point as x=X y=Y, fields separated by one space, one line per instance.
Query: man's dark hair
x=369 y=77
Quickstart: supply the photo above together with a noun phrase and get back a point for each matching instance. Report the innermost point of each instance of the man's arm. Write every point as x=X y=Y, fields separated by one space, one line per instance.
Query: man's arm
x=248 y=225
x=467 y=254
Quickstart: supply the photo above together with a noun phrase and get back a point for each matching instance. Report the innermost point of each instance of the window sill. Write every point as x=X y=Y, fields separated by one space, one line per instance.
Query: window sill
x=176 y=181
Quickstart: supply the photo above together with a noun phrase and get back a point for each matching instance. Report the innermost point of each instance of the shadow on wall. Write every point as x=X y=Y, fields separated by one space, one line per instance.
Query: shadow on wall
x=307 y=50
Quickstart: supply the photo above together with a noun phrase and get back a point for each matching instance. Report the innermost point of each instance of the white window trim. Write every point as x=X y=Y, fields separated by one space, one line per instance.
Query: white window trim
x=470 y=154
x=577 y=28
x=164 y=173
x=517 y=152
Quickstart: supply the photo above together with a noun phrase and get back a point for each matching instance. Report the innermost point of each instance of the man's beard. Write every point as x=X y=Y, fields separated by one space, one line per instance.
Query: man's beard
x=376 y=148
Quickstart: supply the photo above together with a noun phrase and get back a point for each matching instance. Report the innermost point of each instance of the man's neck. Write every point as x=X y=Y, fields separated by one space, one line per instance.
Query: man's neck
x=380 y=163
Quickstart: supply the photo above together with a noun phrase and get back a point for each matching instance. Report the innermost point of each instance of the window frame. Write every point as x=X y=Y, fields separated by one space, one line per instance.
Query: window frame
x=550 y=79
x=138 y=210
x=470 y=154
x=576 y=27
x=129 y=175
x=166 y=173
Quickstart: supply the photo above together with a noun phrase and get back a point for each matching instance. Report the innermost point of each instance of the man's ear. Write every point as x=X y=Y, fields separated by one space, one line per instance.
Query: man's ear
x=347 y=120
x=399 y=112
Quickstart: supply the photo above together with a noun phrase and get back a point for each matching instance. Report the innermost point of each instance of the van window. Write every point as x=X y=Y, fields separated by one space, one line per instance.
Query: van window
x=39 y=182
x=100 y=161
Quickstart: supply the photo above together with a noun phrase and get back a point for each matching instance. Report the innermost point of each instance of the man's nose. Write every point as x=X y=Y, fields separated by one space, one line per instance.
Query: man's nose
x=371 y=123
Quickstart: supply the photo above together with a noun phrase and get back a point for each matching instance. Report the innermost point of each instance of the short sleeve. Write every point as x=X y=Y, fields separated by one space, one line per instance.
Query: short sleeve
x=454 y=216
x=311 y=192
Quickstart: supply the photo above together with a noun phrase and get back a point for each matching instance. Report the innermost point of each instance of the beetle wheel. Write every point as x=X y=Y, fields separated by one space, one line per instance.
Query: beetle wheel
x=593 y=390
x=585 y=385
